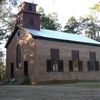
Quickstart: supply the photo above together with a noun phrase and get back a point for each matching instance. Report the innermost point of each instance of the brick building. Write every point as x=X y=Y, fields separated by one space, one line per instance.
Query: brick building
x=46 y=55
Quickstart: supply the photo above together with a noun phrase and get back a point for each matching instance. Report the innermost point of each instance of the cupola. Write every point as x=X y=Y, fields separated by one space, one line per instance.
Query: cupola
x=27 y=16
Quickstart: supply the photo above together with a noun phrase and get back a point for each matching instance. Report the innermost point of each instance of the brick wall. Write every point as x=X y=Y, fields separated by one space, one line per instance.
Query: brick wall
x=65 y=49
x=27 y=44
x=37 y=51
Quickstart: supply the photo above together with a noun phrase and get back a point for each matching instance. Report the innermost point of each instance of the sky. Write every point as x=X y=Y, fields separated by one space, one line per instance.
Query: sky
x=65 y=8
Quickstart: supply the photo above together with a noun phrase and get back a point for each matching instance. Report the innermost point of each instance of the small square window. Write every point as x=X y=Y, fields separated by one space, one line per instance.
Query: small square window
x=30 y=7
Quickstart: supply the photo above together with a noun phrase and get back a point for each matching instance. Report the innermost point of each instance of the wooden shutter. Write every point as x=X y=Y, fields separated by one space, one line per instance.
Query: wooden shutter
x=80 y=66
x=97 y=66
x=88 y=65
x=60 y=69
x=48 y=65
x=70 y=65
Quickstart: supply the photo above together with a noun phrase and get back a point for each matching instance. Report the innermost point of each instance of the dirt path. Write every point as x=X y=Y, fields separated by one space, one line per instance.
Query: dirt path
x=76 y=91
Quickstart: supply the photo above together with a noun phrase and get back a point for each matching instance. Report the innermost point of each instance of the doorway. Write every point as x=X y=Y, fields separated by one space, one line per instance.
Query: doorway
x=25 y=68
x=12 y=71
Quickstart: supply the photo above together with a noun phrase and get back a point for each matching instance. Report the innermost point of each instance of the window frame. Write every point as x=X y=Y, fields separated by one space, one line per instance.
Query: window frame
x=30 y=7
x=95 y=68
x=54 y=54
x=75 y=64
x=79 y=67
x=52 y=68
x=18 y=56
x=92 y=64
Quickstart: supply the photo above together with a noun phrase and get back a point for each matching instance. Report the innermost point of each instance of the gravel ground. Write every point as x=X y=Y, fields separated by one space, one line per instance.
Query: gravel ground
x=75 y=91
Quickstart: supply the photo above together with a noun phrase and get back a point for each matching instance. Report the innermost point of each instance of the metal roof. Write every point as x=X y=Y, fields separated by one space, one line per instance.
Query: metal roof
x=62 y=36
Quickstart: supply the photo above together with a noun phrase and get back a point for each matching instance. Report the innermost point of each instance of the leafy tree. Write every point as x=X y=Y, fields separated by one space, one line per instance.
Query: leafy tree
x=49 y=21
x=2 y=1
x=87 y=25
x=96 y=6
x=96 y=10
x=71 y=26
x=6 y=22
x=2 y=72
x=40 y=10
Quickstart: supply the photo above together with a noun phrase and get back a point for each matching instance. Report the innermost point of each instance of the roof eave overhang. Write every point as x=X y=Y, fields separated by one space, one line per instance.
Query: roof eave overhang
x=68 y=41
x=11 y=37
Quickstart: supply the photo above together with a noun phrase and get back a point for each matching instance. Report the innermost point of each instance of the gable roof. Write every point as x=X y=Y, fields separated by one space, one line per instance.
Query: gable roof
x=50 y=34
x=56 y=35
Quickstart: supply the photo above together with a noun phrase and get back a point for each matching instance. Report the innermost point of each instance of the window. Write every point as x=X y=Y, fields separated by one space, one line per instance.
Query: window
x=30 y=7
x=54 y=64
x=31 y=21
x=54 y=54
x=73 y=68
x=75 y=60
x=92 y=64
x=75 y=64
x=18 y=56
x=92 y=56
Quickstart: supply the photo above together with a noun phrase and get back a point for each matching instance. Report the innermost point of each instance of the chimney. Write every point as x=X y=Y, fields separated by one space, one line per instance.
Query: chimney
x=27 y=16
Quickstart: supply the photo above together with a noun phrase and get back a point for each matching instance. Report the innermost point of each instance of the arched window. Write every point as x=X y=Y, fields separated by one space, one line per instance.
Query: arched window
x=18 y=56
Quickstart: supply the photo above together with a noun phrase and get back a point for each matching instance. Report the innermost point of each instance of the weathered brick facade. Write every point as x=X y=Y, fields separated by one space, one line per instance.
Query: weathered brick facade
x=37 y=52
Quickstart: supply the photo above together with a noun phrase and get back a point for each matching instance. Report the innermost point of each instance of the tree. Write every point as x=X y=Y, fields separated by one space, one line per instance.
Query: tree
x=1 y=1
x=96 y=6
x=96 y=10
x=71 y=25
x=6 y=22
x=49 y=21
x=87 y=25
x=40 y=10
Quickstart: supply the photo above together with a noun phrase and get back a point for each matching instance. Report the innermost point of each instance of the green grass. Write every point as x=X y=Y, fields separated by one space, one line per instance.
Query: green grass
x=89 y=84
x=78 y=83
x=58 y=82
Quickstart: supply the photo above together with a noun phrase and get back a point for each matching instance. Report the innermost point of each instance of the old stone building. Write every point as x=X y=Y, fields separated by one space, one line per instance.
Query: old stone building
x=46 y=55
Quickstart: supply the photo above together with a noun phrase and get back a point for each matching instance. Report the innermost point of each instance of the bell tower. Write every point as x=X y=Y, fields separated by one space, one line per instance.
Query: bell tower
x=27 y=16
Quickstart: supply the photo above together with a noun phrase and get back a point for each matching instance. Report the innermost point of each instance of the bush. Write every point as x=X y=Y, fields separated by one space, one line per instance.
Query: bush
x=3 y=74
